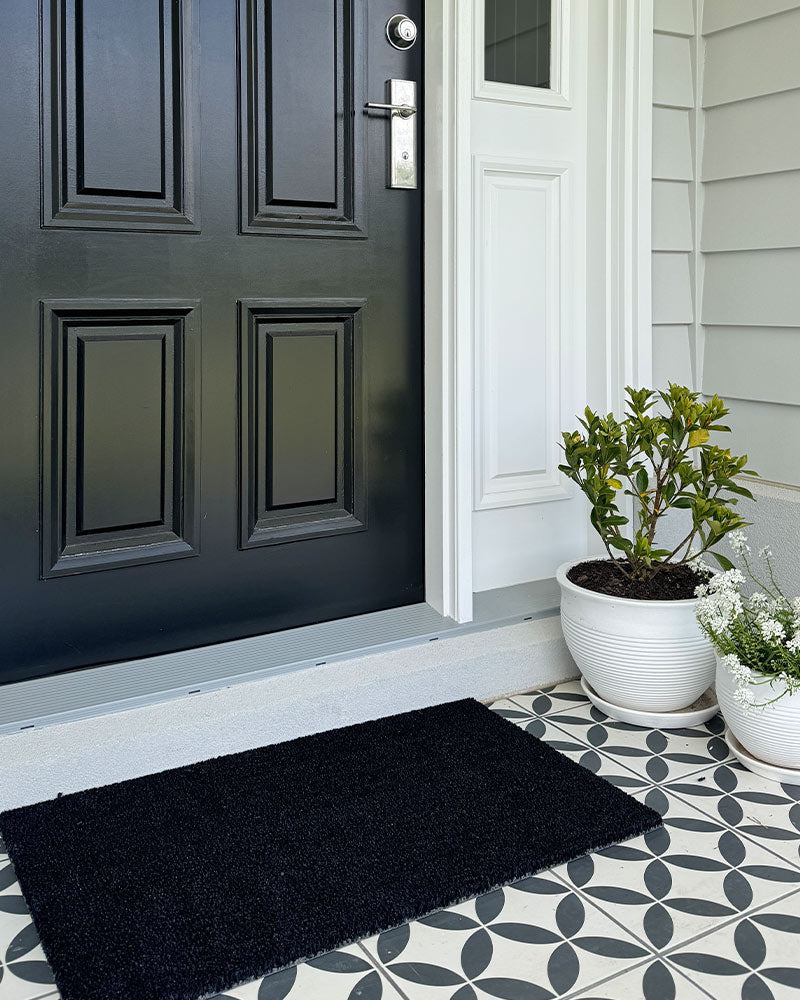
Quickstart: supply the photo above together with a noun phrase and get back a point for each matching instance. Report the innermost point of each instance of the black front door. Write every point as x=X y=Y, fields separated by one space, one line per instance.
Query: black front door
x=210 y=337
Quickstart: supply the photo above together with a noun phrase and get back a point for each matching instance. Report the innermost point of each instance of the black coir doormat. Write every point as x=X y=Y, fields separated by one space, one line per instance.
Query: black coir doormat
x=183 y=884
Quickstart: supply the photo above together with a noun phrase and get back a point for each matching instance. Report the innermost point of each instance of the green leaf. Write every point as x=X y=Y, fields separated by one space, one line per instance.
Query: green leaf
x=698 y=437
x=724 y=561
x=621 y=543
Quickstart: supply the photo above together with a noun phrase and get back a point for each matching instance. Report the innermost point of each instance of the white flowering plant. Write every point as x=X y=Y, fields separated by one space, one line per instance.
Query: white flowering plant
x=757 y=634
x=661 y=457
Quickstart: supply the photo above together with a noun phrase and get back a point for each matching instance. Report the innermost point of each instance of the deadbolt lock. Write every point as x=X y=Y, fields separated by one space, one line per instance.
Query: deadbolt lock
x=401 y=31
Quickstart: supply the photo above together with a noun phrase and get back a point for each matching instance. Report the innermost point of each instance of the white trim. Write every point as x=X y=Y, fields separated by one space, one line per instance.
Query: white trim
x=448 y=347
x=555 y=96
x=453 y=40
x=629 y=356
x=494 y=488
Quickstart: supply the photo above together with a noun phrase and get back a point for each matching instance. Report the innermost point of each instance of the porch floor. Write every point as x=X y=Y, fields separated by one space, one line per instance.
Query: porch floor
x=709 y=905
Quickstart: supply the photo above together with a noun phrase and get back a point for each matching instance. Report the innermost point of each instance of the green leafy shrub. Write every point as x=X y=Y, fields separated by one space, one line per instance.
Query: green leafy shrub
x=660 y=457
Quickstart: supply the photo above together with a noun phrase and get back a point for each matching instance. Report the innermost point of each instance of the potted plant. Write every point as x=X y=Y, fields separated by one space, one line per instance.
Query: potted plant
x=629 y=619
x=756 y=637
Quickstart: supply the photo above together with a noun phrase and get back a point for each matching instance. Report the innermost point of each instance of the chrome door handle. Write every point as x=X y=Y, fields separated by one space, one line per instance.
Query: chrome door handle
x=403 y=110
x=401 y=103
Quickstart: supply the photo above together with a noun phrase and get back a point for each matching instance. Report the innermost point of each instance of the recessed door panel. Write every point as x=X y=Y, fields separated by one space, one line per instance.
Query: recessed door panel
x=301 y=421
x=118 y=434
x=118 y=108
x=303 y=380
x=302 y=141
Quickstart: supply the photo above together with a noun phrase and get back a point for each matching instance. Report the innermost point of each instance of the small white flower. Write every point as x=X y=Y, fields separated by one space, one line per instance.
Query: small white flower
x=765 y=552
x=739 y=671
x=738 y=542
x=760 y=601
x=744 y=696
x=793 y=645
x=770 y=628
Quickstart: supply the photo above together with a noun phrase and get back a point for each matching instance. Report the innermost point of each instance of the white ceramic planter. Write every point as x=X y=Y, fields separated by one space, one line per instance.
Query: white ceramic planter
x=646 y=655
x=771 y=734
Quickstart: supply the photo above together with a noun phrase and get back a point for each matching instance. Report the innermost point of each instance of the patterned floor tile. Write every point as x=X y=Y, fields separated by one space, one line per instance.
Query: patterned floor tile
x=24 y=972
x=555 y=698
x=346 y=974
x=534 y=940
x=659 y=755
x=655 y=981
x=565 y=742
x=682 y=879
x=755 y=958
x=764 y=810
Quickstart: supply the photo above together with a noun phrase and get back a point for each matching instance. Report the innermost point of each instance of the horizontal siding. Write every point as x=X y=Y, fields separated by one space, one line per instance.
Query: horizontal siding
x=747 y=322
x=720 y=14
x=752 y=288
x=674 y=16
x=672 y=145
x=672 y=218
x=672 y=356
x=672 y=289
x=761 y=431
x=672 y=71
x=760 y=136
x=753 y=363
x=672 y=194
x=750 y=213
x=752 y=60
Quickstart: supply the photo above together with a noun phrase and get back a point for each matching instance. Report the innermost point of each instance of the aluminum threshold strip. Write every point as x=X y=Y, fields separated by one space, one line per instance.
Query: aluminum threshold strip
x=114 y=687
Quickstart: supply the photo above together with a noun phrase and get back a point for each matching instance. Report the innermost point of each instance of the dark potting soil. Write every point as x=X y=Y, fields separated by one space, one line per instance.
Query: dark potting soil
x=672 y=583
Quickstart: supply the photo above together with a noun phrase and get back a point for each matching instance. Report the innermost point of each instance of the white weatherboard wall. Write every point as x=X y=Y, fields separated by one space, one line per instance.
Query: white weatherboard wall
x=751 y=227
x=529 y=149
x=674 y=192
x=726 y=261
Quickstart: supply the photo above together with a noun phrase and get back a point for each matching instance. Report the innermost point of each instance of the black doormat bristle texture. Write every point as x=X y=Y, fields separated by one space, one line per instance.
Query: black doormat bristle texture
x=183 y=884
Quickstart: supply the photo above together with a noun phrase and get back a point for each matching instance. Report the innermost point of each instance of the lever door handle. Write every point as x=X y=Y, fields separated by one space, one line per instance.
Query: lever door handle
x=403 y=110
x=401 y=103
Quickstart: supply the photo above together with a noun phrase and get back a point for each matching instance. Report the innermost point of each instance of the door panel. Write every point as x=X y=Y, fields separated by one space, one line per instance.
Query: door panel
x=118 y=434
x=118 y=99
x=215 y=391
x=301 y=421
x=302 y=156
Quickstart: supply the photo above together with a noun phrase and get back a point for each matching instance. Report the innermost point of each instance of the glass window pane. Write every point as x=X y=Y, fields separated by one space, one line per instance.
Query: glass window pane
x=517 y=38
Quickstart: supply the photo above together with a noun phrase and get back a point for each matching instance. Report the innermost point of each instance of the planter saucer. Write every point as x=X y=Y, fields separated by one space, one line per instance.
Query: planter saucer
x=772 y=772
x=701 y=711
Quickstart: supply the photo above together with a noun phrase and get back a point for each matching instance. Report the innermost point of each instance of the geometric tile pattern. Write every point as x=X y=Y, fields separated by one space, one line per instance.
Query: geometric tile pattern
x=707 y=906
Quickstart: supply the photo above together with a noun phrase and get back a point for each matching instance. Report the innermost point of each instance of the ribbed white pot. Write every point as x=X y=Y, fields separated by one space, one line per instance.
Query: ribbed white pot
x=647 y=655
x=771 y=733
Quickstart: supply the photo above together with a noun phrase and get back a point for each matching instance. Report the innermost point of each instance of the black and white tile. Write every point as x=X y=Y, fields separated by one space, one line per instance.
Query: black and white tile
x=707 y=906
x=345 y=974
x=545 y=729
x=556 y=698
x=534 y=940
x=657 y=755
x=765 y=811
x=24 y=972
x=682 y=879
x=654 y=981
x=754 y=958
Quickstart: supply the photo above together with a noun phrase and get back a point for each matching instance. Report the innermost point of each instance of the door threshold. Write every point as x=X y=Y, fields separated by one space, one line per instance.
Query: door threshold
x=116 y=687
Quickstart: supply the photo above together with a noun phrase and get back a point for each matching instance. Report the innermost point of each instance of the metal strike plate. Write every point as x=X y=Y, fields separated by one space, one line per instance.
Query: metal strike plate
x=402 y=135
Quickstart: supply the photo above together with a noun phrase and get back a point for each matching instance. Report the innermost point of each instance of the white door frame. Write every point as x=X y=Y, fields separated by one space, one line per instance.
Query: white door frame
x=621 y=122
